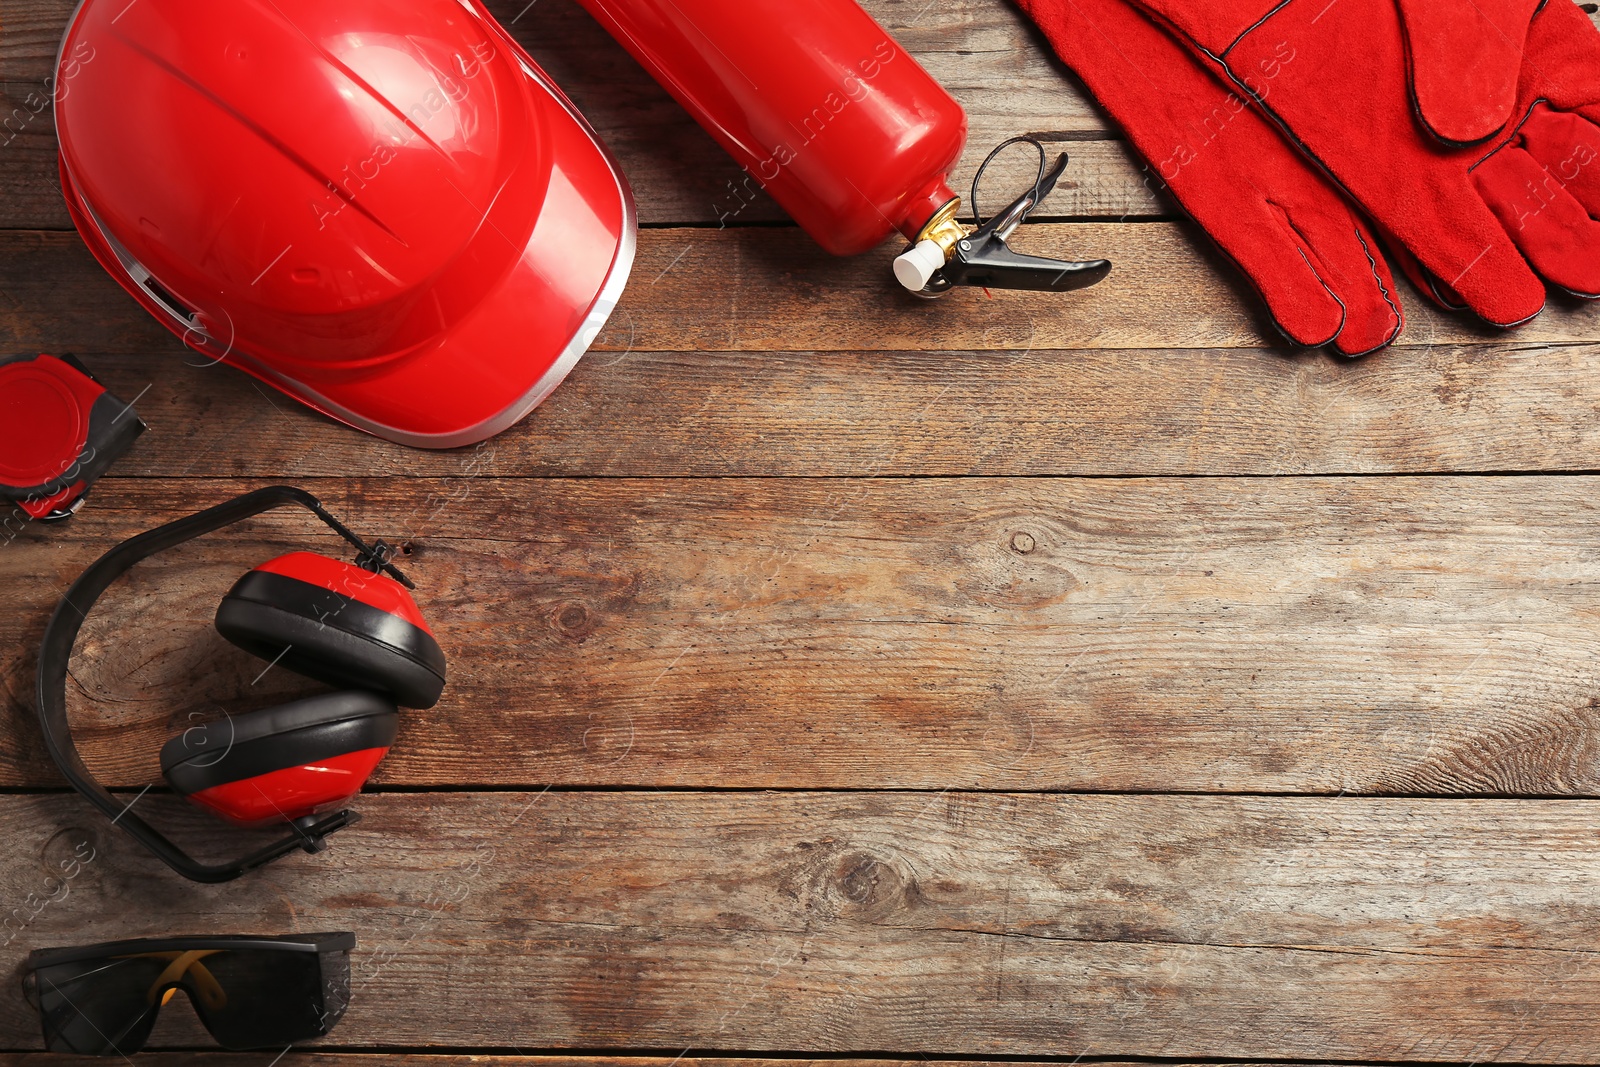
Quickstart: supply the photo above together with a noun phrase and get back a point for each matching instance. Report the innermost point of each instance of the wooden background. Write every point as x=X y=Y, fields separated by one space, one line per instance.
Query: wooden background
x=837 y=675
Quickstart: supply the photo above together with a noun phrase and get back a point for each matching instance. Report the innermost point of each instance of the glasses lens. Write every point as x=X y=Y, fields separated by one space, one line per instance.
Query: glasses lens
x=265 y=998
x=100 y=1007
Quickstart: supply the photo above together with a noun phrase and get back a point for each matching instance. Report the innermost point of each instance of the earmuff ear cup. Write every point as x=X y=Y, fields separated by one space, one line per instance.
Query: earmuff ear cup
x=284 y=762
x=337 y=623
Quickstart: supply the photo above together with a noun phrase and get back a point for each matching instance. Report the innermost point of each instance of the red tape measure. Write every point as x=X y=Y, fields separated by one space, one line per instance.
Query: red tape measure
x=59 y=431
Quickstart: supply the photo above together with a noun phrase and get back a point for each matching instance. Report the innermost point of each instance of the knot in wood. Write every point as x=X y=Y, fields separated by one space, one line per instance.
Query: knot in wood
x=869 y=885
x=68 y=852
x=1022 y=542
x=574 y=621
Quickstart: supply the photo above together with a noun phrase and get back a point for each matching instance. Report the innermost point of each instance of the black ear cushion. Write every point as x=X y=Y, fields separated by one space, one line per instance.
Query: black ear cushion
x=335 y=639
x=289 y=735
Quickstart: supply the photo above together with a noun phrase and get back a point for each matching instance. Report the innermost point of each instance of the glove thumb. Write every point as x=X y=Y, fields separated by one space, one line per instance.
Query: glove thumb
x=1465 y=58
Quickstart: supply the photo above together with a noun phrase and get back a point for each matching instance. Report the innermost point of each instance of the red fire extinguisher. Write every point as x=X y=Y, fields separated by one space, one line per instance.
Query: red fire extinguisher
x=827 y=113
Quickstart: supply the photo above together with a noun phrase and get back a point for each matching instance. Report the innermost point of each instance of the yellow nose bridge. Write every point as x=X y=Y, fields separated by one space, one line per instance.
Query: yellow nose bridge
x=203 y=981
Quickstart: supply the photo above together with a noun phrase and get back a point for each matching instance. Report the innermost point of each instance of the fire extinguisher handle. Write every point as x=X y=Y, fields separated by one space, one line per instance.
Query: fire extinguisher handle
x=986 y=260
x=982 y=257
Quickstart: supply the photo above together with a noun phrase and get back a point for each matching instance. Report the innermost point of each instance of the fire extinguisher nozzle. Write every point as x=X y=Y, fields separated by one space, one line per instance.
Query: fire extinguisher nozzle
x=915 y=267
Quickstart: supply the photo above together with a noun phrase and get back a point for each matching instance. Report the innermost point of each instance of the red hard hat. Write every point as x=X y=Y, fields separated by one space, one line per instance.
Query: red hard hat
x=384 y=209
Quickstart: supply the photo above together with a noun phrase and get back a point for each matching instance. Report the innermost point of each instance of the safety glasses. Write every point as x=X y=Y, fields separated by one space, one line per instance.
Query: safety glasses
x=250 y=992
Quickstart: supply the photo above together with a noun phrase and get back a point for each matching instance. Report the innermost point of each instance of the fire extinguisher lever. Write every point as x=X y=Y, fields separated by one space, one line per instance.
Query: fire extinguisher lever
x=988 y=261
x=947 y=254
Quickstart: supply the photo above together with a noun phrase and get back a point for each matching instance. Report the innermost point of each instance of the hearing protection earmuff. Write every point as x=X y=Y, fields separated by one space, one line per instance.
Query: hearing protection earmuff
x=353 y=625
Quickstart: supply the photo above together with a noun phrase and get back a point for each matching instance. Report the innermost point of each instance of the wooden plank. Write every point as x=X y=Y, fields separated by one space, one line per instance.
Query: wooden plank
x=33 y=30
x=679 y=176
x=771 y=290
x=1028 y=925
x=1394 y=635
x=979 y=49
x=1085 y=412
x=982 y=51
x=309 y=1058
x=28 y=159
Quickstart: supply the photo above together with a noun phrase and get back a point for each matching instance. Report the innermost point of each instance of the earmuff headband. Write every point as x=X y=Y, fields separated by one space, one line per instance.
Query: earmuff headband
x=62 y=632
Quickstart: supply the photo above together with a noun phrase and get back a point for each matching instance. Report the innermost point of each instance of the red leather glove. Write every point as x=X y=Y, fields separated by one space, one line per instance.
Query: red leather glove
x=1487 y=221
x=1299 y=243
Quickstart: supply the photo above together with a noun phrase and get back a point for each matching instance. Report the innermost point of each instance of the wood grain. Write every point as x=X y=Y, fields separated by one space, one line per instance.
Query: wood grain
x=989 y=58
x=678 y=174
x=1415 y=409
x=788 y=529
x=771 y=290
x=328 y=1058
x=1364 y=929
x=981 y=50
x=1394 y=635
x=32 y=197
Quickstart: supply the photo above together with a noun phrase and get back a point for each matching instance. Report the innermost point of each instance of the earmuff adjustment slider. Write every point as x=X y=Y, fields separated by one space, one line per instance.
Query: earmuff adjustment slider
x=376 y=559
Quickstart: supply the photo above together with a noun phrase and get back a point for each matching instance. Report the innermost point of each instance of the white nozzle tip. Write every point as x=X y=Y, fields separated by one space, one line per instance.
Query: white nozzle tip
x=914 y=267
